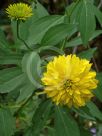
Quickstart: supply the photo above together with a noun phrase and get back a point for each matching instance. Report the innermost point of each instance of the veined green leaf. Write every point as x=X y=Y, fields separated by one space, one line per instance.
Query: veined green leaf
x=65 y=125
x=11 y=84
x=57 y=33
x=9 y=73
x=39 y=27
x=87 y=22
x=10 y=59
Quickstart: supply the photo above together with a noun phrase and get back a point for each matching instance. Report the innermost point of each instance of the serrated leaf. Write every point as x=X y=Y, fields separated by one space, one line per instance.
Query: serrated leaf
x=65 y=125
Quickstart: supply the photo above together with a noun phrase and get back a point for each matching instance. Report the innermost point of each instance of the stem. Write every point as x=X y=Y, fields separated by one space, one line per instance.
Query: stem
x=18 y=36
x=75 y=50
x=100 y=4
x=95 y=64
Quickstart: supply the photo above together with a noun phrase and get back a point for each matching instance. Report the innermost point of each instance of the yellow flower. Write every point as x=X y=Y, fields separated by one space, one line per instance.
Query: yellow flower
x=69 y=80
x=19 y=11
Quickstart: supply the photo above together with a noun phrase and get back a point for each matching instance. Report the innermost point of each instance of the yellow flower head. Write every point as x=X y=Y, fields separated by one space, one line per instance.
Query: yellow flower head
x=69 y=80
x=19 y=11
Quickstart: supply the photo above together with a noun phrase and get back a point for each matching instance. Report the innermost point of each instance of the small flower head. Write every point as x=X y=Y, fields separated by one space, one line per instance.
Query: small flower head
x=19 y=11
x=69 y=80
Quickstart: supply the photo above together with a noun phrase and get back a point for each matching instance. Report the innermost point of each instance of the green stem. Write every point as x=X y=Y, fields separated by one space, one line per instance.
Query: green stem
x=18 y=36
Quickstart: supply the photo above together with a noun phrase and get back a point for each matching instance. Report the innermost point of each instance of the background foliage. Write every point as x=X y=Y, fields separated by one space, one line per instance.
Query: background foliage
x=59 y=27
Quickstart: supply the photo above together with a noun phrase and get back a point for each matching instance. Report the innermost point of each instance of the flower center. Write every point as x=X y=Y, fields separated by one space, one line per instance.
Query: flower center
x=68 y=84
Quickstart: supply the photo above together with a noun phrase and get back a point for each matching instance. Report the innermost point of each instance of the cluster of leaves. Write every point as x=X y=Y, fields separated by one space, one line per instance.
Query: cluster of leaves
x=22 y=110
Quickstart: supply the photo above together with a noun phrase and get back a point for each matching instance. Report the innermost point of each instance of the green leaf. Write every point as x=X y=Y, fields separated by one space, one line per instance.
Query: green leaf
x=88 y=54
x=87 y=22
x=51 y=131
x=96 y=34
x=31 y=64
x=3 y=41
x=99 y=133
x=12 y=84
x=39 y=27
x=65 y=125
x=84 y=113
x=7 y=123
x=9 y=73
x=98 y=90
x=94 y=110
x=40 y=11
x=98 y=14
x=52 y=49
x=25 y=91
x=84 y=132
x=40 y=117
x=57 y=33
x=74 y=42
x=28 y=132
x=10 y=59
x=75 y=13
x=78 y=41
